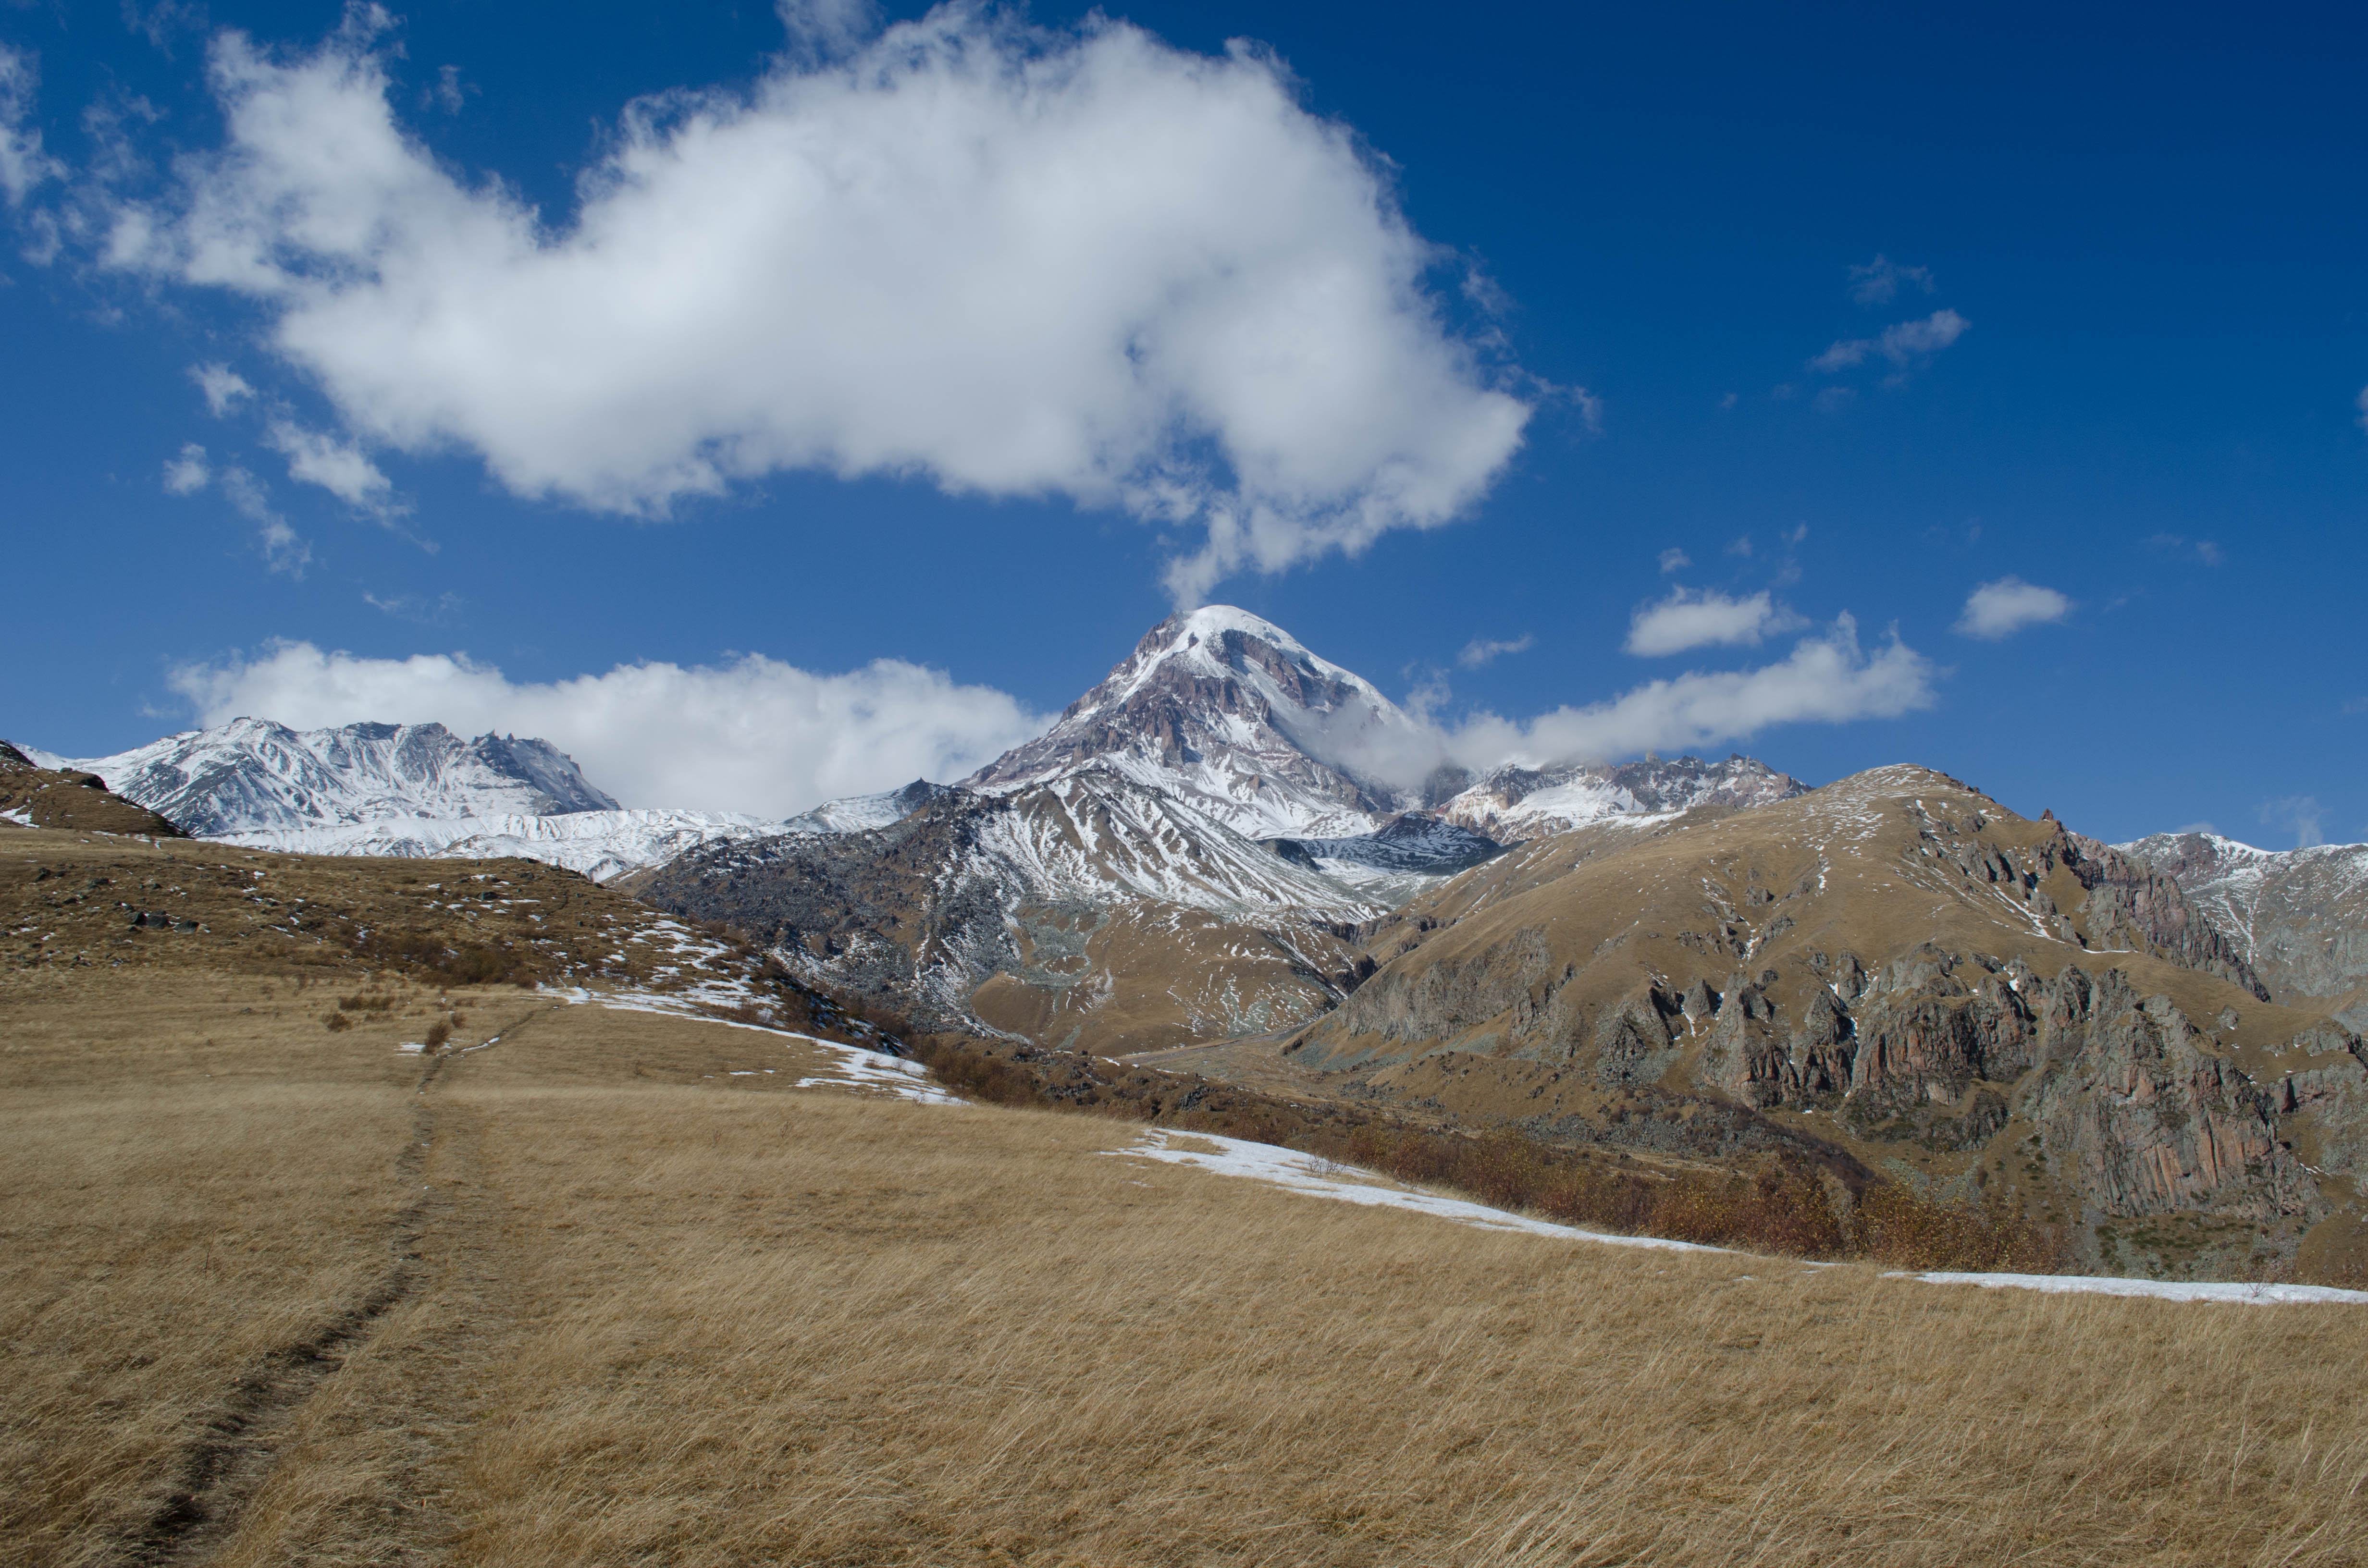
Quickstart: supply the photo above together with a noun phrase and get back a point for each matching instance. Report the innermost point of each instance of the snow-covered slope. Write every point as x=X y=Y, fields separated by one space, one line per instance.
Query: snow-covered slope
x=861 y=814
x=2299 y=916
x=1087 y=907
x=1513 y=806
x=1233 y=715
x=601 y=845
x=252 y=774
x=1413 y=853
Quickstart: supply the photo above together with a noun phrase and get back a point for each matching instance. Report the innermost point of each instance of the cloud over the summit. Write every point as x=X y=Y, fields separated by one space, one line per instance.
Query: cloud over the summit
x=1016 y=262
x=754 y=734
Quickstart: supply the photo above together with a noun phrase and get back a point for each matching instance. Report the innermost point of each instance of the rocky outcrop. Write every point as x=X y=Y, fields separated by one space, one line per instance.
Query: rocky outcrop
x=2132 y=904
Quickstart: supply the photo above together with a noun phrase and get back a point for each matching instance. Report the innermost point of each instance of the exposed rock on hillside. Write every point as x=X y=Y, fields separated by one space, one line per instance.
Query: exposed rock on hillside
x=1909 y=963
x=1085 y=911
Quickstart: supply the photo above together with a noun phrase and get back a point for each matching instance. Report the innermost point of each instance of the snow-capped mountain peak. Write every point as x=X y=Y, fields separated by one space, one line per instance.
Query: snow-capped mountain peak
x=1230 y=712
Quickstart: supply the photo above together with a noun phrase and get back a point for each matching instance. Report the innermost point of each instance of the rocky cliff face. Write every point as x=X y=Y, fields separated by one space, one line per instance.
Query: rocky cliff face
x=1930 y=979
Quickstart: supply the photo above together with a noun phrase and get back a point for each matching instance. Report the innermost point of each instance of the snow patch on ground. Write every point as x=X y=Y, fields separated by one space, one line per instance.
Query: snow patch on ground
x=1296 y=1172
x=2160 y=1290
x=852 y=1067
x=1316 y=1178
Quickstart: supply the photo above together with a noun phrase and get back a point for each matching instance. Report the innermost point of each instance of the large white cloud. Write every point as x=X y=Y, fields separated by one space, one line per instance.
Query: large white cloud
x=754 y=735
x=1013 y=261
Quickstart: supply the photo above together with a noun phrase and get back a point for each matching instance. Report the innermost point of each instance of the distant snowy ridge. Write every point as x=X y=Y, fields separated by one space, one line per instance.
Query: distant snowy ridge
x=2298 y=916
x=251 y=775
x=1513 y=806
x=601 y=845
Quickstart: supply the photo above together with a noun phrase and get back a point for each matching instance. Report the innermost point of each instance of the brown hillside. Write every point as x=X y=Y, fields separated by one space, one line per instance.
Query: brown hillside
x=1952 y=993
x=70 y=802
x=591 y=1285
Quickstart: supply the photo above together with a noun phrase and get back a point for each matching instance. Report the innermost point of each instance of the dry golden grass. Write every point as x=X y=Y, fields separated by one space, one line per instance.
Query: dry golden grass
x=590 y=1298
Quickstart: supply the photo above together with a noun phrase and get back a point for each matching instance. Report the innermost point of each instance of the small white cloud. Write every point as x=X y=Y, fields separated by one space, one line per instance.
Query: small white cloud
x=1675 y=559
x=1903 y=344
x=2363 y=406
x=754 y=734
x=338 y=467
x=1878 y=283
x=1704 y=619
x=1727 y=402
x=438 y=611
x=23 y=165
x=447 y=95
x=2000 y=609
x=2356 y=705
x=188 y=473
x=224 y=387
x=1741 y=546
x=2301 y=815
x=1482 y=651
x=1833 y=399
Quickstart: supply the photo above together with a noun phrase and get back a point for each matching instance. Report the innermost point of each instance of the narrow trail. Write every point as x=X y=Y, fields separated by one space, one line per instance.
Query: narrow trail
x=440 y=1243
x=235 y=1452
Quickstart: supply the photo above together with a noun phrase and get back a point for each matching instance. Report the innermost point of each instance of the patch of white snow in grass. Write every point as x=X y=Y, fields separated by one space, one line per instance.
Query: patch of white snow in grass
x=855 y=1068
x=2161 y=1289
x=1289 y=1169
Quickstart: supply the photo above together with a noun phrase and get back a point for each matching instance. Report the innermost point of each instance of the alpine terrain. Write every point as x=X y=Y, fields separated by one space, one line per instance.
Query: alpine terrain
x=1196 y=849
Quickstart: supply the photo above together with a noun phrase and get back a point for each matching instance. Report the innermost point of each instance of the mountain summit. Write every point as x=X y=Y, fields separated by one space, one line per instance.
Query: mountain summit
x=1235 y=716
x=1230 y=712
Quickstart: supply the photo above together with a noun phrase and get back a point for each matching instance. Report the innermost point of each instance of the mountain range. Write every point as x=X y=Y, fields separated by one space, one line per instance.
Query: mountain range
x=1234 y=856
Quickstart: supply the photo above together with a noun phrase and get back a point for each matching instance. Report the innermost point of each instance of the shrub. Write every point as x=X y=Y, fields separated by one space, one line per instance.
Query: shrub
x=336 y=1021
x=438 y=1033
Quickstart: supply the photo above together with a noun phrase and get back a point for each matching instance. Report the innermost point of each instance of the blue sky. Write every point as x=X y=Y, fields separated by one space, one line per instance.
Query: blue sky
x=1858 y=311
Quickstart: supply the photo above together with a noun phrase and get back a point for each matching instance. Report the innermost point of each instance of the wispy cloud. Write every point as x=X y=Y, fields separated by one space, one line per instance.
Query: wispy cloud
x=224 y=387
x=2202 y=550
x=2000 y=609
x=441 y=610
x=188 y=473
x=2363 y=406
x=1905 y=344
x=1675 y=559
x=1879 y=281
x=341 y=468
x=2301 y=815
x=1706 y=619
x=1481 y=650
x=23 y=165
x=284 y=549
